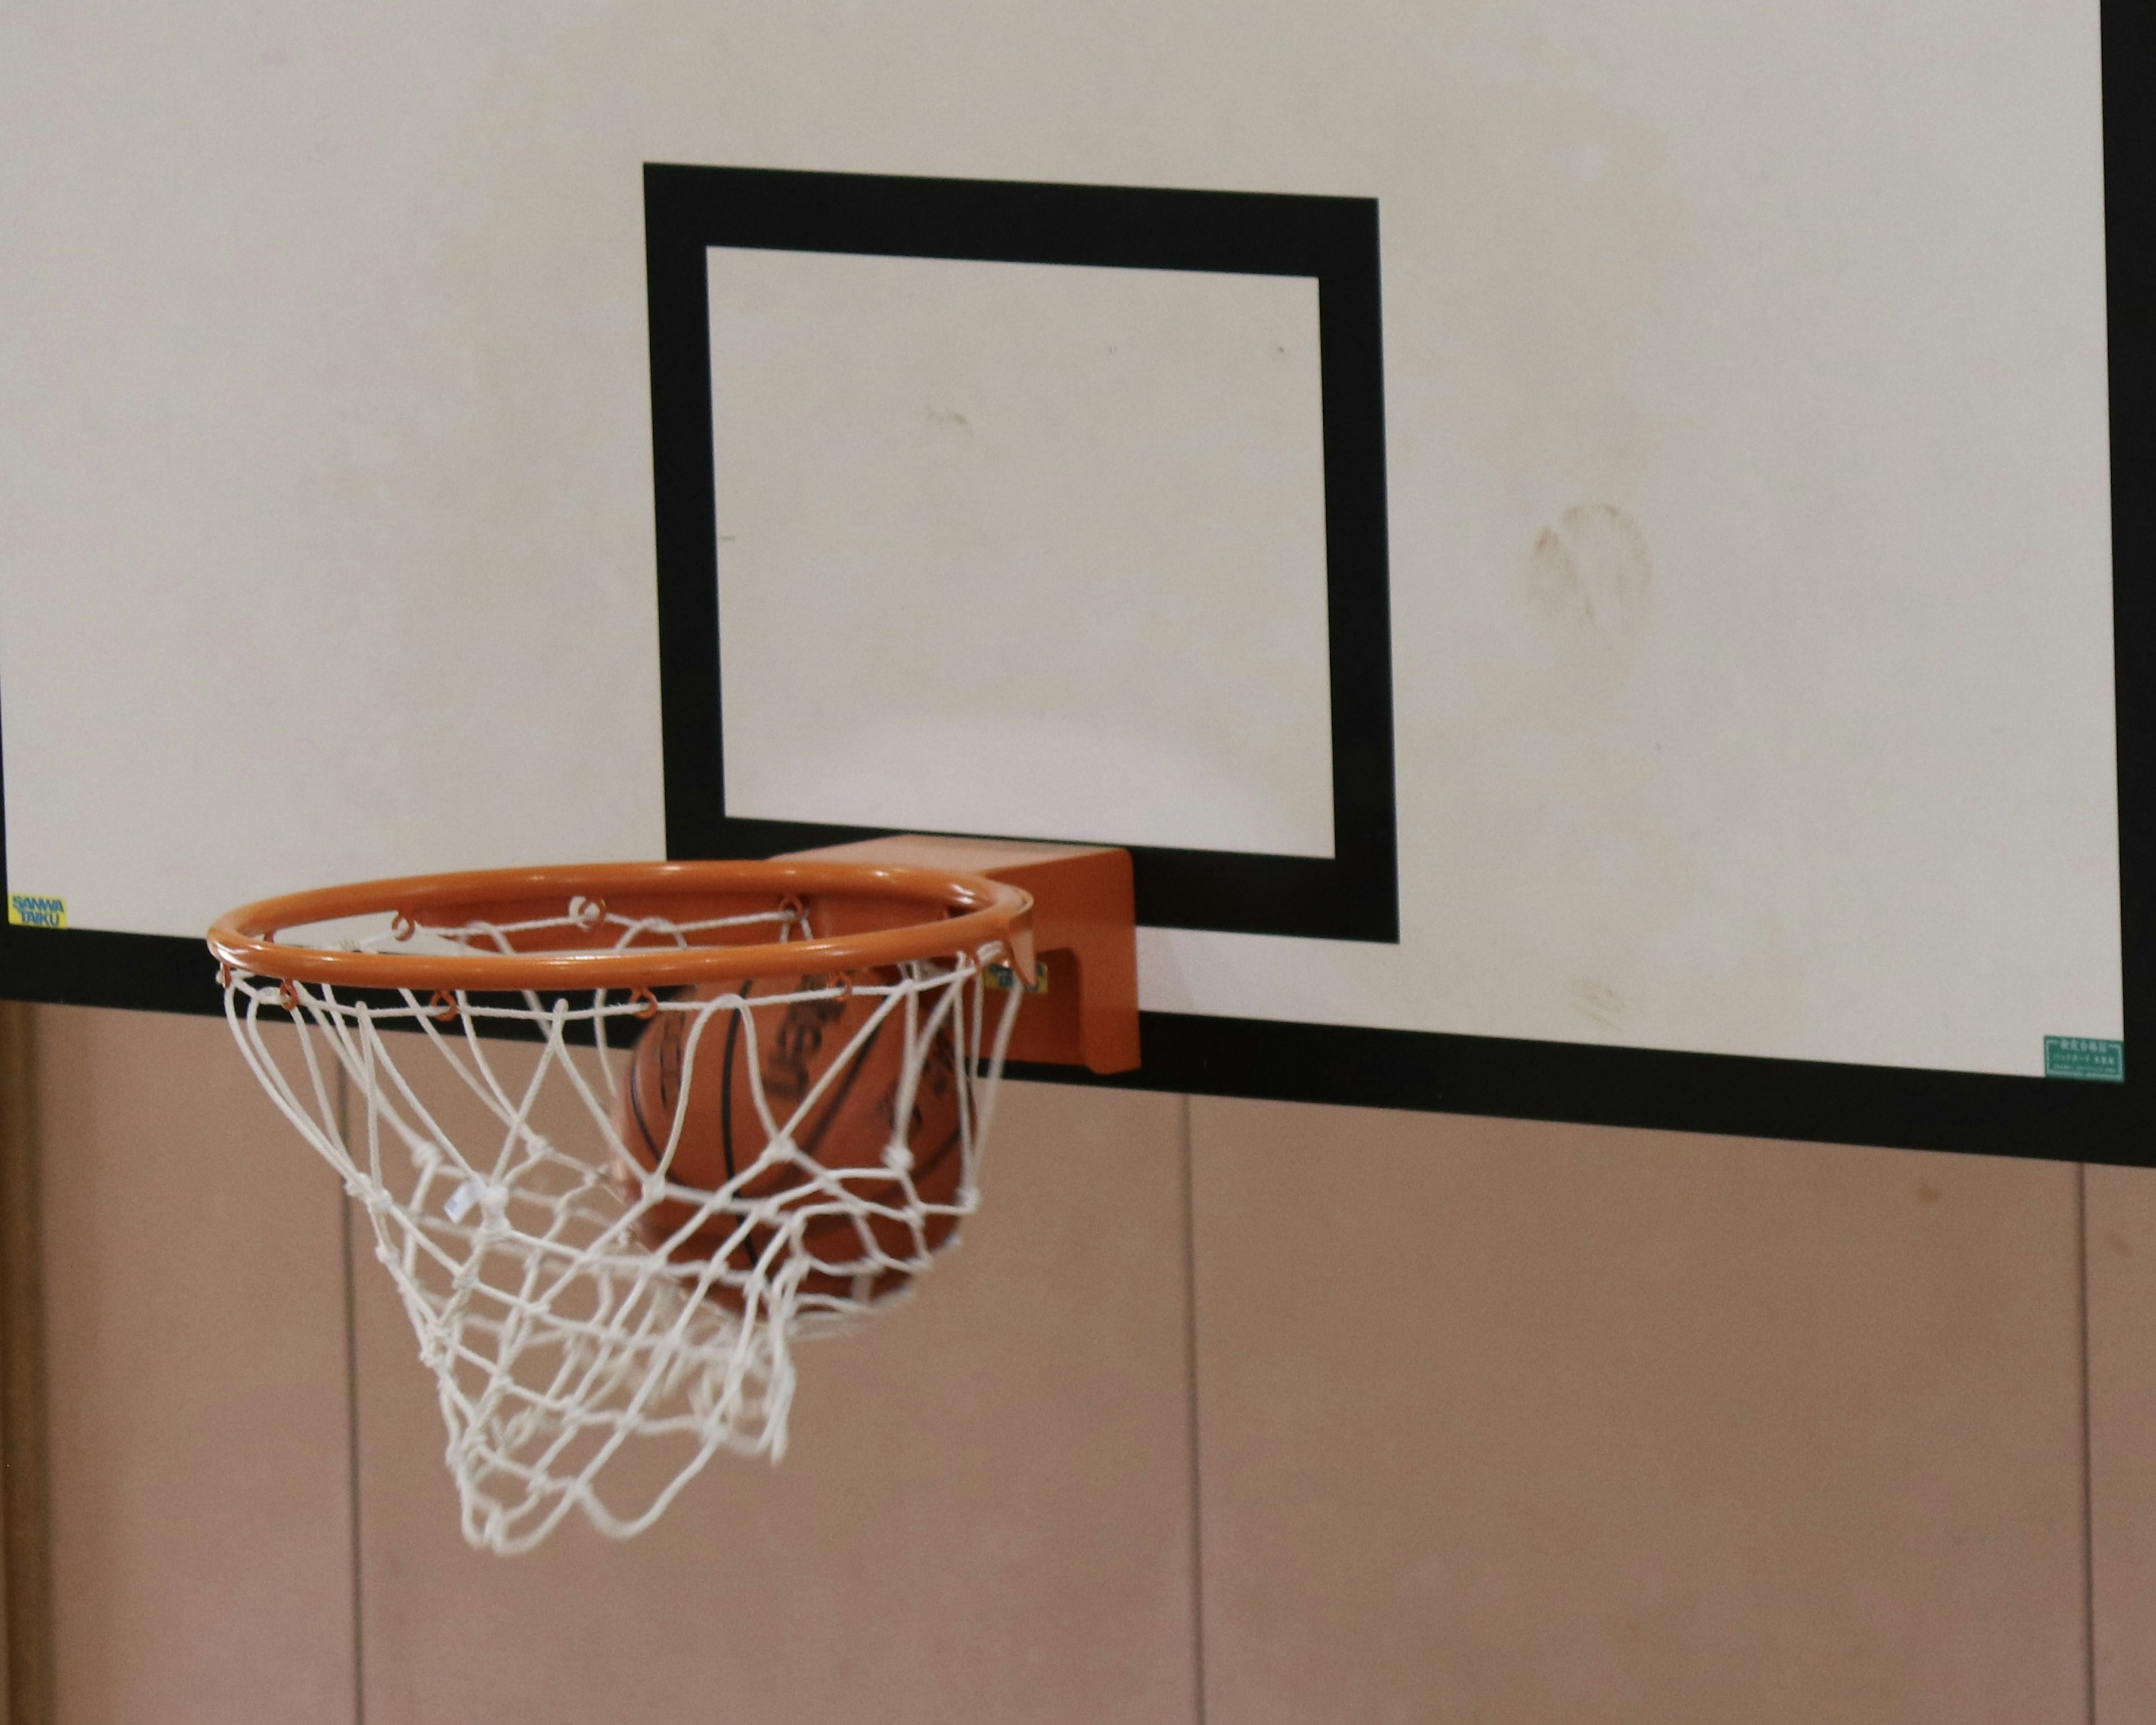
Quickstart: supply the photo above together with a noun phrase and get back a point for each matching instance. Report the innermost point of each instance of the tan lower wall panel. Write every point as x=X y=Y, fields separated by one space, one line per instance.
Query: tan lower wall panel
x=1514 y=1422
x=195 y=1299
x=2121 y=1262
x=983 y=1515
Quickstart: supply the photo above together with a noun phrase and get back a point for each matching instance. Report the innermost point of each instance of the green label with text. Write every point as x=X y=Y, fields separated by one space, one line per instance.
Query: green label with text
x=2096 y=1057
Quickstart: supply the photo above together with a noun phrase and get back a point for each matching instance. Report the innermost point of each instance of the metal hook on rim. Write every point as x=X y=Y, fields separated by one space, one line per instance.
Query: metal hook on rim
x=401 y=926
x=288 y=996
x=645 y=1003
x=444 y=1007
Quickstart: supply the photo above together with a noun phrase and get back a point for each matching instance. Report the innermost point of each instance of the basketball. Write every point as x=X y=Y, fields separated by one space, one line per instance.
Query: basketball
x=849 y=1126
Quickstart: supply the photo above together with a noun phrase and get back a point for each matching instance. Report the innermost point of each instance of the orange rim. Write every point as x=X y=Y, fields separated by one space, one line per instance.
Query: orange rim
x=960 y=915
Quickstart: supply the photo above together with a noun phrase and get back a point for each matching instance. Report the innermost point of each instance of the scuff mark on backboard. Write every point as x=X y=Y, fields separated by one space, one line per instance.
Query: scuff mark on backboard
x=1594 y=567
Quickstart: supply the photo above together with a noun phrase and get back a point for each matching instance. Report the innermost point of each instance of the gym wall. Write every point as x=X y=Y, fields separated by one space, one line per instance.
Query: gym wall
x=1224 y=1411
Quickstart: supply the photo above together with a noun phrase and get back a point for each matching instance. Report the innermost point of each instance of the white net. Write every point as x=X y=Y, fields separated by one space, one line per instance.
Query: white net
x=616 y=1228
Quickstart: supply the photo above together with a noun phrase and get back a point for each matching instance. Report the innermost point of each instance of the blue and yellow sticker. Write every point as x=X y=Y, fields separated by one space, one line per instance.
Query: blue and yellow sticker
x=2096 y=1057
x=34 y=910
x=1002 y=977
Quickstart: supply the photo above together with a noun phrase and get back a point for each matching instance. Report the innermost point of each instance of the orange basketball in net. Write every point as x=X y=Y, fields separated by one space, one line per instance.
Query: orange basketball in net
x=849 y=1126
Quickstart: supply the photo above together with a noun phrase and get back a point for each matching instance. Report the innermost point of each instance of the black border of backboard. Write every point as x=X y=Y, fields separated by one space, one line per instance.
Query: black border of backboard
x=1353 y=894
x=1596 y=1084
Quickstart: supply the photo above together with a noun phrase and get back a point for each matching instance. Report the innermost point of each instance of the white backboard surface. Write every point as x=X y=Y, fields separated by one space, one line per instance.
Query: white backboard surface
x=1746 y=445
x=1022 y=548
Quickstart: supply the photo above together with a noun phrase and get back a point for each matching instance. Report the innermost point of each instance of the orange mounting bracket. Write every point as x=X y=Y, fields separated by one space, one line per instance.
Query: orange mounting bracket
x=1085 y=1008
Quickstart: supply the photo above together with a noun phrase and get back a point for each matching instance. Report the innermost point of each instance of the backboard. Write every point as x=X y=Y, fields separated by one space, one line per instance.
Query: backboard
x=1576 y=548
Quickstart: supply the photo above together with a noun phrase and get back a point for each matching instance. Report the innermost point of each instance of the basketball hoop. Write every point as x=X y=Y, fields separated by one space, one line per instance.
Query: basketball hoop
x=647 y=1281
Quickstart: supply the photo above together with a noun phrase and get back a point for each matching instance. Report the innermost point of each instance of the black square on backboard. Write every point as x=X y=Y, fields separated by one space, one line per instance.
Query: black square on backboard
x=1353 y=894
